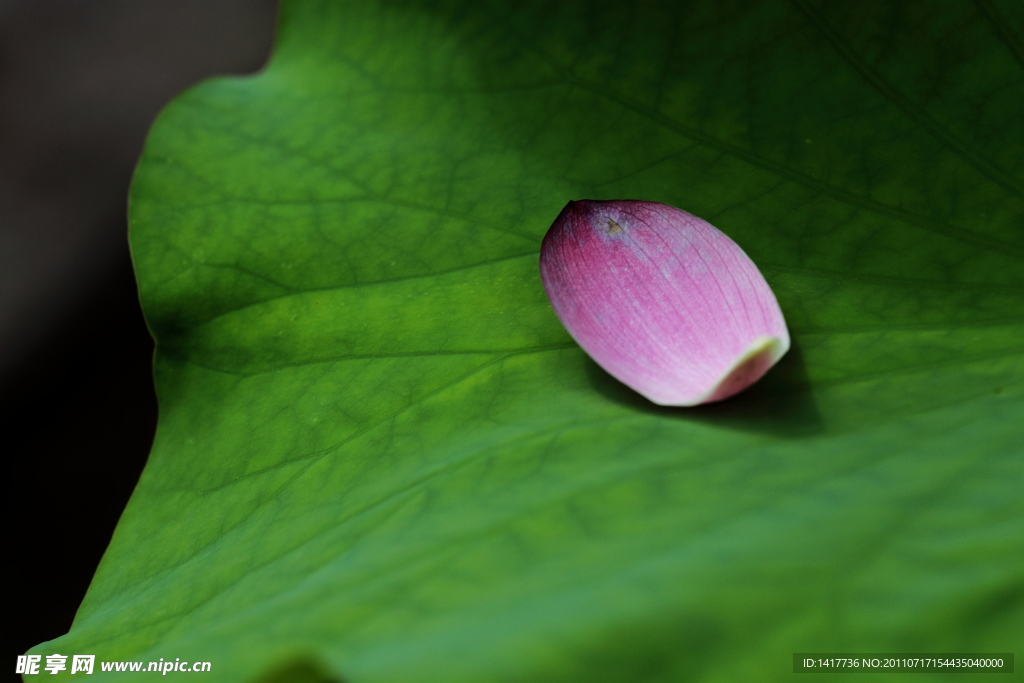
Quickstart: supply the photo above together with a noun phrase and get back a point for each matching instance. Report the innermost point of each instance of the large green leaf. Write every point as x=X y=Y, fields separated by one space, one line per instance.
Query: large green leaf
x=380 y=456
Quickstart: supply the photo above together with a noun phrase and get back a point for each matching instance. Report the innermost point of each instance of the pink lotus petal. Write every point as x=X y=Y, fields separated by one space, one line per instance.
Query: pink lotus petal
x=662 y=300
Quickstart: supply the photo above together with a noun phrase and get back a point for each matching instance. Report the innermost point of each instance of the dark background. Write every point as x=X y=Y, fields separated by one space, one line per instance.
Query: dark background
x=80 y=83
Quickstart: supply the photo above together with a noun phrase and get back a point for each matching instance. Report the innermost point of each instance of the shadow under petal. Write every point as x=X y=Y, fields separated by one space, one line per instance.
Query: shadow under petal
x=780 y=403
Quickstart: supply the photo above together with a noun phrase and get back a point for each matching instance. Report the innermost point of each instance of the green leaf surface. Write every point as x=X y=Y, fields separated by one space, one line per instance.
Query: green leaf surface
x=381 y=457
